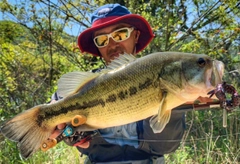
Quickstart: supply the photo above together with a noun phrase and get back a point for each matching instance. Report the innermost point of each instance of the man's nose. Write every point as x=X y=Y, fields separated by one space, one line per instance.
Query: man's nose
x=112 y=42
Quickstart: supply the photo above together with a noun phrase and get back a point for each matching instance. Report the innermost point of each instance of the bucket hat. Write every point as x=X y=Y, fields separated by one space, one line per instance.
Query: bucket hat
x=111 y=14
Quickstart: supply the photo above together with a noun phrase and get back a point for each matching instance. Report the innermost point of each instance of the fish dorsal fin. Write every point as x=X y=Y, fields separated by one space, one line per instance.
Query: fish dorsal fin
x=71 y=82
x=120 y=62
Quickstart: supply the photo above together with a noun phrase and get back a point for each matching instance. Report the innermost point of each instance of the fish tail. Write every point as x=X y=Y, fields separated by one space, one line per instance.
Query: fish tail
x=25 y=129
x=158 y=123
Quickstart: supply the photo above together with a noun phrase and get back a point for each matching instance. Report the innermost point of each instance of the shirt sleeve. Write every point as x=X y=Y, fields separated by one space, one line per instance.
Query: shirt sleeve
x=121 y=135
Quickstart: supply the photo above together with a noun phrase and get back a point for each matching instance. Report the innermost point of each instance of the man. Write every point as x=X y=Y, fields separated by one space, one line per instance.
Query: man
x=115 y=31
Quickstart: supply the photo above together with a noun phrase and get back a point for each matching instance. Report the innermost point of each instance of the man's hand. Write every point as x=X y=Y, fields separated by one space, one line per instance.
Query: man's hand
x=58 y=131
x=60 y=128
x=205 y=99
x=202 y=100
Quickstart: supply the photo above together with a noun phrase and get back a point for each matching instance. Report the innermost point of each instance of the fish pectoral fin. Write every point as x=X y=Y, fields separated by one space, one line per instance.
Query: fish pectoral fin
x=158 y=124
x=71 y=82
x=159 y=121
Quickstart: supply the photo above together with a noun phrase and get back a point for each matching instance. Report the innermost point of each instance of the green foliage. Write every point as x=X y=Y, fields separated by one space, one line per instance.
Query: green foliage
x=58 y=155
x=8 y=35
x=28 y=78
x=35 y=51
x=206 y=141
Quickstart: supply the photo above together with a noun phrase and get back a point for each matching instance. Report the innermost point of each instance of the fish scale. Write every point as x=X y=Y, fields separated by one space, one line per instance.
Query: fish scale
x=116 y=108
x=128 y=90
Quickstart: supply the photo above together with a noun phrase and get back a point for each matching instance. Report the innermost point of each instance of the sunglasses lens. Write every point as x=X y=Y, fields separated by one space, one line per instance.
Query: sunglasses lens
x=101 y=40
x=120 y=35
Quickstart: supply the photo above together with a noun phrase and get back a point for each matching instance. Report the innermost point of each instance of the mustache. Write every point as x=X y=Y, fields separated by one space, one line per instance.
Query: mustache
x=117 y=49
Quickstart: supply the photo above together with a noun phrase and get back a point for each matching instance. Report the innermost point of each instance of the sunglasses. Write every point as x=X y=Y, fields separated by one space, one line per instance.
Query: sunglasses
x=118 y=35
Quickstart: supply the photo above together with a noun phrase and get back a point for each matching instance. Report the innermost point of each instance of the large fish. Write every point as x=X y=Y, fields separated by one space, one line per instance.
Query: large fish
x=128 y=90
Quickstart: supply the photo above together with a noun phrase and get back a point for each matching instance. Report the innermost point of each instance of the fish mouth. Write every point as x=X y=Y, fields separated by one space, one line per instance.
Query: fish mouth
x=217 y=73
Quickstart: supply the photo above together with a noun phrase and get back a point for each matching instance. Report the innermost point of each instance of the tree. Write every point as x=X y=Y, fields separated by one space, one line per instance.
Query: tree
x=38 y=45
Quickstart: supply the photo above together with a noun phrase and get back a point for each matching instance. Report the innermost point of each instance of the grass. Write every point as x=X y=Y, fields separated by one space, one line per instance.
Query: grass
x=205 y=141
x=61 y=154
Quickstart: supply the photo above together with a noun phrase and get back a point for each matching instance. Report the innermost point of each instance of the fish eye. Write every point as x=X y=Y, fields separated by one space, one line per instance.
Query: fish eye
x=201 y=62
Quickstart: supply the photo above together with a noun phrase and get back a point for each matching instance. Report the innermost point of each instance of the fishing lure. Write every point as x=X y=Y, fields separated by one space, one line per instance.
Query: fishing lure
x=227 y=105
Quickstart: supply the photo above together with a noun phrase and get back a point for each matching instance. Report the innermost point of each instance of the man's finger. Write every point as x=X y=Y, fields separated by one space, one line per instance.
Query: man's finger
x=84 y=145
x=55 y=133
x=58 y=130
x=61 y=126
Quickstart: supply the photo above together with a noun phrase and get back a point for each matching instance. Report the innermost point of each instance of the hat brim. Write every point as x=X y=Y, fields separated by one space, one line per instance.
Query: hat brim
x=85 y=39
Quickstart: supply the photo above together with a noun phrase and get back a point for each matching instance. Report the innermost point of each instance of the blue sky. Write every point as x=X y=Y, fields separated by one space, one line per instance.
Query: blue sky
x=73 y=28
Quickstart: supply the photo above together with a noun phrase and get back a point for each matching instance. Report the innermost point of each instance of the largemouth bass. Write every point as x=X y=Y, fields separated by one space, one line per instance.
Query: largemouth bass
x=128 y=90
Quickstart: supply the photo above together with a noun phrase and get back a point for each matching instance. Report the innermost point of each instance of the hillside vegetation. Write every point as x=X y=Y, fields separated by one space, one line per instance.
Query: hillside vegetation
x=38 y=45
